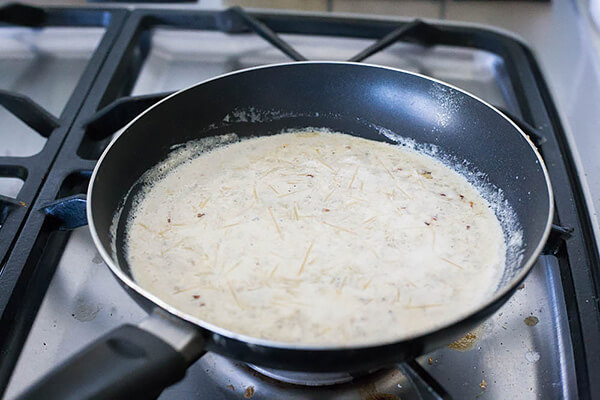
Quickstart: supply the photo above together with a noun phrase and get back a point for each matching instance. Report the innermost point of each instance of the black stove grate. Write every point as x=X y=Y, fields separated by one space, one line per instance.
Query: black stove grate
x=34 y=169
x=109 y=107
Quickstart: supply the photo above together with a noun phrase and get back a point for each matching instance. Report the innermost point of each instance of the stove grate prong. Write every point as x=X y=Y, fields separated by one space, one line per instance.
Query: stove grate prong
x=22 y=15
x=117 y=114
x=418 y=30
x=235 y=19
x=28 y=111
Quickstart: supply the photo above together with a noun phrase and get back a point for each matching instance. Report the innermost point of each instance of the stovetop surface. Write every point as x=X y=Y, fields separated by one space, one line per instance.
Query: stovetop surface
x=522 y=352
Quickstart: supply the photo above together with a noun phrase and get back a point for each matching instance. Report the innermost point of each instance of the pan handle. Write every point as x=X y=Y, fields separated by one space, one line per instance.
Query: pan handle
x=129 y=362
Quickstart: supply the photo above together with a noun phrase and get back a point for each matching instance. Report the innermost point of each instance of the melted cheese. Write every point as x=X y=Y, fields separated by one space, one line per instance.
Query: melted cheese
x=317 y=238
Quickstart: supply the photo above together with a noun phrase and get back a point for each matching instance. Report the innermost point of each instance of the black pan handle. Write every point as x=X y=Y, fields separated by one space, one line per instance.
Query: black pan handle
x=130 y=362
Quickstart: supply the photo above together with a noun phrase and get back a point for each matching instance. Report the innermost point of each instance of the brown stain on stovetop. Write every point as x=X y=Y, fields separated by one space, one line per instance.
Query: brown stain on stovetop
x=532 y=320
x=249 y=392
x=468 y=341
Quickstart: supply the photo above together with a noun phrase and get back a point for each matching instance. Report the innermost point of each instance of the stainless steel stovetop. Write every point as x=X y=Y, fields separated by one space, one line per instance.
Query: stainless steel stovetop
x=522 y=352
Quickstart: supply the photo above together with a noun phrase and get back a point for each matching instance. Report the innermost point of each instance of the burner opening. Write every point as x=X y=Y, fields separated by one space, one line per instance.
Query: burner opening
x=307 y=378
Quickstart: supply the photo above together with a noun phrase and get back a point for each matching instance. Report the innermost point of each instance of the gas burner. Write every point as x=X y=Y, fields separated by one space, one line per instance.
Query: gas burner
x=235 y=378
x=306 y=378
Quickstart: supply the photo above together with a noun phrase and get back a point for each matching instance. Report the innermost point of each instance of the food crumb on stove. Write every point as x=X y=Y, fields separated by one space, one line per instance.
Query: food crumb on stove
x=468 y=227
x=430 y=361
x=196 y=296
x=200 y=215
x=483 y=384
x=521 y=287
x=231 y=387
x=531 y=320
x=249 y=392
x=468 y=341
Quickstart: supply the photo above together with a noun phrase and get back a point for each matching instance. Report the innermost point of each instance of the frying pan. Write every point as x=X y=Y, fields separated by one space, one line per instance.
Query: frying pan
x=141 y=360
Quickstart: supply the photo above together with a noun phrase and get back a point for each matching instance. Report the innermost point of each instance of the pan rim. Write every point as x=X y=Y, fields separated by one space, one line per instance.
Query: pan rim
x=253 y=341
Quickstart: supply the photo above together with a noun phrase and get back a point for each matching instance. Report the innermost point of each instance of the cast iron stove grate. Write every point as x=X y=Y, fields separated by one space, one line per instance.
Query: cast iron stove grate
x=34 y=169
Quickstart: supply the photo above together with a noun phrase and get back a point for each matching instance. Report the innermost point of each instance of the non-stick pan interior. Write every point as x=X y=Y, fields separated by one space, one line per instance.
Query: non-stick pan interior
x=351 y=98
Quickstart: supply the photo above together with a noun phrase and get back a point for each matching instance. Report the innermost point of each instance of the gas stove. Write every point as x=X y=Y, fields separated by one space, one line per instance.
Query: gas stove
x=56 y=295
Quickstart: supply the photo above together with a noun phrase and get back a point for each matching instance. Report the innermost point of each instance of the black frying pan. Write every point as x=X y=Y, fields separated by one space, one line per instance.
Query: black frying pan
x=140 y=361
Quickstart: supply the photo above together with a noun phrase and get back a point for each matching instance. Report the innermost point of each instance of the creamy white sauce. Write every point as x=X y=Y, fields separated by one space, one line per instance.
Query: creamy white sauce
x=316 y=238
